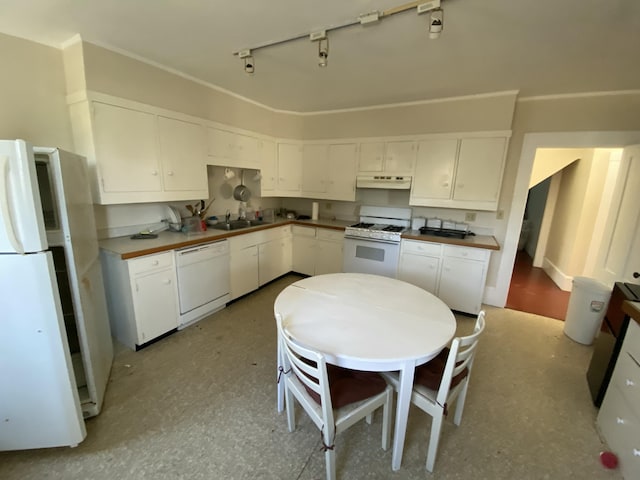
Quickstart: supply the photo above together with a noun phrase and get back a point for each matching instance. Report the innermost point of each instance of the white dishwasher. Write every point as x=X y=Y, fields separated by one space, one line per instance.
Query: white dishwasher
x=203 y=280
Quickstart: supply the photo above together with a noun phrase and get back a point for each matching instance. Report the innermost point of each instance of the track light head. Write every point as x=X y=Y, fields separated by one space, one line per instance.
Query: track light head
x=249 y=64
x=323 y=52
x=436 y=23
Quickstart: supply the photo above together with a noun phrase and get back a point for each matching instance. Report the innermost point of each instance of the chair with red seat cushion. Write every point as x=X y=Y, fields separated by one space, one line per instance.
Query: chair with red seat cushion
x=441 y=381
x=334 y=398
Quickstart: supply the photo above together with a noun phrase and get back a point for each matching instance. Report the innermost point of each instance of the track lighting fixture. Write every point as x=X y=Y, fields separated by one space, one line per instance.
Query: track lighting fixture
x=436 y=23
x=323 y=47
x=248 y=61
x=432 y=7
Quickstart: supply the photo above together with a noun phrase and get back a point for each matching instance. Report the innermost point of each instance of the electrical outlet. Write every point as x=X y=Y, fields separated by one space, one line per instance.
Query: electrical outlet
x=470 y=217
x=500 y=214
x=327 y=206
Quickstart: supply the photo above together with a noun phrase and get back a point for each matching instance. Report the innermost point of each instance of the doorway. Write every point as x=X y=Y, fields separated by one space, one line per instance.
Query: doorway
x=531 y=143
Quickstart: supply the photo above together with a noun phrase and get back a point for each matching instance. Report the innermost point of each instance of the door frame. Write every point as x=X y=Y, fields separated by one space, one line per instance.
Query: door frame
x=531 y=142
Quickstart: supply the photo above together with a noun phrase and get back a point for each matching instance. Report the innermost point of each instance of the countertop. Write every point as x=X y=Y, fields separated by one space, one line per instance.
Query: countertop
x=128 y=248
x=632 y=309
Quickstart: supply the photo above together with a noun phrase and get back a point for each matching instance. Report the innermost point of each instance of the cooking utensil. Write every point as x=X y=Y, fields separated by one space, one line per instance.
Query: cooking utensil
x=241 y=192
x=190 y=208
x=203 y=212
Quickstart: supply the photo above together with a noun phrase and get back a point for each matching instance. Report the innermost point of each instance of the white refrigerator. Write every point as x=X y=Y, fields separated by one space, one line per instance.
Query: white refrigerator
x=55 y=343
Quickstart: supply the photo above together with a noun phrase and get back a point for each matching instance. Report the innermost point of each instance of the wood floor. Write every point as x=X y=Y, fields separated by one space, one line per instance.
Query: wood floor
x=533 y=291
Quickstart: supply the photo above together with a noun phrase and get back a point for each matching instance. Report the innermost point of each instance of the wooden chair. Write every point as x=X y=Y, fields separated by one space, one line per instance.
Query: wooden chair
x=441 y=381
x=306 y=376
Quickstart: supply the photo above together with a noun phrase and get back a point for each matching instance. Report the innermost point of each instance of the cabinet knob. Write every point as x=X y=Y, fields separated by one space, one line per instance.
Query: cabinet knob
x=167 y=281
x=636 y=452
x=154 y=173
x=445 y=184
x=636 y=274
x=630 y=383
x=620 y=421
x=155 y=262
x=170 y=173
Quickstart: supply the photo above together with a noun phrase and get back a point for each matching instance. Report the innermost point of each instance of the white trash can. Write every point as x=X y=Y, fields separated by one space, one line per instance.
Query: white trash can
x=587 y=307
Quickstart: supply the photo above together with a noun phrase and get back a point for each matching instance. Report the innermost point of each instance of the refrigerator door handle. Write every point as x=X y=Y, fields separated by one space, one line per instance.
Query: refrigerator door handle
x=4 y=205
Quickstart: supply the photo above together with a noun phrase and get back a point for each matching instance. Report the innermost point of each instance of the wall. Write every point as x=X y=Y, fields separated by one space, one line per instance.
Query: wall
x=551 y=160
x=32 y=94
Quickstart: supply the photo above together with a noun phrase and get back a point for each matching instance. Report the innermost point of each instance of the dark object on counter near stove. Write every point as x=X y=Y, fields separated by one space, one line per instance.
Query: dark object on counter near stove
x=445 y=232
x=303 y=217
x=143 y=236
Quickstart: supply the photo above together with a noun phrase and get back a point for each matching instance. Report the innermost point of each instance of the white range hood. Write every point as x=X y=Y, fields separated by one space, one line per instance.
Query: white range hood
x=395 y=182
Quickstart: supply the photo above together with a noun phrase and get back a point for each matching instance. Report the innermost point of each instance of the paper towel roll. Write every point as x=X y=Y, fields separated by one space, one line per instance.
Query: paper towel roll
x=315 y=207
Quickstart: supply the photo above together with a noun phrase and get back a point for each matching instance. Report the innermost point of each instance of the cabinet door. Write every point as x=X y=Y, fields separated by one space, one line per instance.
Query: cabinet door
x=221 y=147
x=462 y=284
x=314 y=170
x=155 y=304
x=371 y=157
x=479 y=173
x=400 y=157
x=286 y=262
x=244 y=271
x=268 y=168
x=304 y=252
x=420 y=270
x=246 y=152
x=289 y=168
x=182 y=155
x=126 y=144
x=329 y=257
x=342 y=172
x=435 y=168
x=269 y=261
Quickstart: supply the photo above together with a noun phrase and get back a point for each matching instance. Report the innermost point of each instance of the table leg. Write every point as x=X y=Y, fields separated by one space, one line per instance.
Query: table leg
x=280 y=384
x=402 y=414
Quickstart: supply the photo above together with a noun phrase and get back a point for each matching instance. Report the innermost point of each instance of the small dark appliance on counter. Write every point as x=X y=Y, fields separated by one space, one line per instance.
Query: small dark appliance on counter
x=607 y=345
x=446 y=232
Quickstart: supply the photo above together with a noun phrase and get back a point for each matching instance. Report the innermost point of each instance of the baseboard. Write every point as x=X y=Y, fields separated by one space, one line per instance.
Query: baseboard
x=564 y=282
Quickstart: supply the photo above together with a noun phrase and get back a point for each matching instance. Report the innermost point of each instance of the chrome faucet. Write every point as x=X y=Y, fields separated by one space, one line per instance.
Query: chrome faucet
x=227 y=216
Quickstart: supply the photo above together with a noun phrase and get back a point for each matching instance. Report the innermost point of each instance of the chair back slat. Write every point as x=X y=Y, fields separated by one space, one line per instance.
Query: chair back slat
x=460 y=357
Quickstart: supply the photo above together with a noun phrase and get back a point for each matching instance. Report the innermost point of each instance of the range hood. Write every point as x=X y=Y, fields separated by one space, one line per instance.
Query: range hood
x=394 y=182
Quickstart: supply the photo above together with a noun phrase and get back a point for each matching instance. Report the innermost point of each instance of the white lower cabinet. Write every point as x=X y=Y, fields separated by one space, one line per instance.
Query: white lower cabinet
x=317 y=251
x=257 y=258
x=142 y=296
x=619 y=416
x=457 y=275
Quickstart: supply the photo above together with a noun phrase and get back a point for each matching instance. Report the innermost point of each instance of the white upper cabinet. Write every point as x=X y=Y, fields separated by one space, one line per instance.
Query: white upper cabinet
x=138 y=153
x=459 y=173
x=289 y=170
x=230 y=149
x=341 y=172
x=268 y=167
x=315 y=170
x=126 y=148
x=394 y=157
x=182 y=154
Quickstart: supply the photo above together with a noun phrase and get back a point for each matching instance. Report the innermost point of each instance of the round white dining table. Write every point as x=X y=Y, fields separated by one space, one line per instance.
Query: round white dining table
x=367 y=322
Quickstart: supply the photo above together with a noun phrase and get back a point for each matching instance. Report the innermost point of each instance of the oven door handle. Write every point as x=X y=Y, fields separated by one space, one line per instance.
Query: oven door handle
x=371 y=240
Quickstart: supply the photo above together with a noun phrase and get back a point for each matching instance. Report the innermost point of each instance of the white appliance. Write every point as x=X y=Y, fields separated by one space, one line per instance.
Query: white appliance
x=55 y=343
x=203 y=280
x=394 y=182
x=373 y=244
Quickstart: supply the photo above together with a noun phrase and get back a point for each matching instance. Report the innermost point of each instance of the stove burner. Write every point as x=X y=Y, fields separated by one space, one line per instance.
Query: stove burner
x=362 y=225
x=393 y=228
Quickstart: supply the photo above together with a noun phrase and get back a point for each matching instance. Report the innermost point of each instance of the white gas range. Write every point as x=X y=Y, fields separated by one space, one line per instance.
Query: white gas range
x=373 y=244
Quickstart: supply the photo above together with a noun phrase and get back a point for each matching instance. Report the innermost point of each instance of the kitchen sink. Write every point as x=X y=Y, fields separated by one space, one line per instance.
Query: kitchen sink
x=238 y=224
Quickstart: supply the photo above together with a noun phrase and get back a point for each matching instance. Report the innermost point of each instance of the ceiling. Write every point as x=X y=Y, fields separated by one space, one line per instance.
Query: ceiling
x=540 y=47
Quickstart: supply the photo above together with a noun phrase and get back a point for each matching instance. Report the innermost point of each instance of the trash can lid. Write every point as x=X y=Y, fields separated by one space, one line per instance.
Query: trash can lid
x=591 y=285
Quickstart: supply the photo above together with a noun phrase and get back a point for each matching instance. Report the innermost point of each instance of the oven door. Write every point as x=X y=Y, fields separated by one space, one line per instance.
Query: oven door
x=371 y=256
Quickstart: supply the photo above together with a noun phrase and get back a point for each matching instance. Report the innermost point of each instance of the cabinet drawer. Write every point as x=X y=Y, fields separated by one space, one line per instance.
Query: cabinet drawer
x=422 y=248
x=465 y=252
x=632 y=340
x=329 y=234
x=150 y=262
x=621 y=429
x=304 y=231
x=626 y=377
